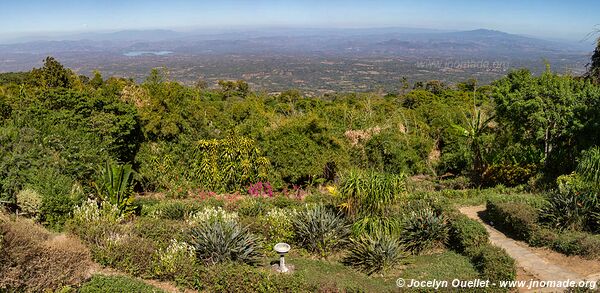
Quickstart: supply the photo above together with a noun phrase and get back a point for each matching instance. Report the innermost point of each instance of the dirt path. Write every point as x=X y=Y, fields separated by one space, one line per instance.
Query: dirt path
x=542 y=264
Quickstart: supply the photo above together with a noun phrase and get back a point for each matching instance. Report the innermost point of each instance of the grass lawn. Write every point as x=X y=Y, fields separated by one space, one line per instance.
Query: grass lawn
x=336 y=274
x=441 y=266
x=447 y=265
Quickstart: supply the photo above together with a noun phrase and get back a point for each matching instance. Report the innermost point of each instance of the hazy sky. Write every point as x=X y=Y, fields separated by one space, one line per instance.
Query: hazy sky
x=571 y=19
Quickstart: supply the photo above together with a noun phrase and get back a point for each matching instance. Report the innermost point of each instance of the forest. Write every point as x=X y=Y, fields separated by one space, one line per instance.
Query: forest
x=192 y=186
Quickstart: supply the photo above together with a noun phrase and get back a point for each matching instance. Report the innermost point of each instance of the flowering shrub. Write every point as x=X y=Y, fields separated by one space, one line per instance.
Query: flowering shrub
x=179 y=257
x=90 y=212
x=210 y=214
x=277 y=225
x=261 y=189
x=29 y=202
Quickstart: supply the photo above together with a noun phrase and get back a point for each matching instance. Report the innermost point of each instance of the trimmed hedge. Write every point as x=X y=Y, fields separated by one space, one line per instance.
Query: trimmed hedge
x=518 y=220
x=494 y=264
x=466 y=234
x=469 y=237
x=569 y=243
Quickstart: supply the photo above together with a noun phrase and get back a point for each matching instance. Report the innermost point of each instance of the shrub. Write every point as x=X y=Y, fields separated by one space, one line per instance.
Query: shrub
x=320 y=230
x=533 y=200
x=160 y=231
x=424 y=229
x=112 y=244
x=284 y=202
x=217 y=241
x=374 y=254
x=260 y=189
x=277 y=226
x=301 y=148
x=128 y=253
x=33 y=260
x=494 y=264
x=29 y=202
x=466 y=234
x=577 y=243
x=58 y=197
x=176 y=262
x=515 y=219
x=508 y=174
x=377 y=224
x=542 y=237
x=116 y=284
x=93 y=223
x=253 y=207
x=170 y=210
x=211 y=214
x=226 y=164
x=235 y=278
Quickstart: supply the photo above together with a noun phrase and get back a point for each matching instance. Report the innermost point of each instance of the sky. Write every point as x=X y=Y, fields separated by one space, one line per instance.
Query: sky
x=567 y=19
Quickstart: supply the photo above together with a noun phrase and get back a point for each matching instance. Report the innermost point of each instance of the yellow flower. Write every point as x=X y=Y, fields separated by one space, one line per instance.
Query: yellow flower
x=332 y=190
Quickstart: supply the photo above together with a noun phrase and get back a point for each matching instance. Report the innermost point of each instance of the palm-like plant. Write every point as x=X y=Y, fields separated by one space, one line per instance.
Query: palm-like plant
x=115 y=185
x=228 y=164
x=474 y=130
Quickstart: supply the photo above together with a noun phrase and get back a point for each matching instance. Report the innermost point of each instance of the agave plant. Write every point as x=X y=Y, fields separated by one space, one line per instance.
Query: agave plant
x=115 y=185
x=374 y=254
x=424 y=229
x=222 y=241
x=320 y=230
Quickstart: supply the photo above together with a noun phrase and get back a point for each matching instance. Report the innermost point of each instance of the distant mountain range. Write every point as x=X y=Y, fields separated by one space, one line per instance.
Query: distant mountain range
x=327 y=38
x=305 y=58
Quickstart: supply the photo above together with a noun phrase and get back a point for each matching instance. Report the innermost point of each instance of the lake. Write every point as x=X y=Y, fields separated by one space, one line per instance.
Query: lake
x=140 y=53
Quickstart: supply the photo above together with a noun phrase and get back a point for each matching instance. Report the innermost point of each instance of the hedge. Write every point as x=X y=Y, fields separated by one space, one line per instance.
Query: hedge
x=518 y=220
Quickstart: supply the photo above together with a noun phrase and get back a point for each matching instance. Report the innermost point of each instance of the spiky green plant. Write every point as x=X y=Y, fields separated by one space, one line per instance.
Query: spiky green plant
x=424 y=229
x=377 y=224
x=589 y=167
x=369 y=193
x=366 y=198
x=115 y=185
x=320 y=230
x=569 y=209
x=222 y=241
x=374 y=254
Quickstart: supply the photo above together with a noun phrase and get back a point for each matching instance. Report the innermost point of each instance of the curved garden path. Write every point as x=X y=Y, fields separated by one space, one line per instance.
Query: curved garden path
x=538 y=263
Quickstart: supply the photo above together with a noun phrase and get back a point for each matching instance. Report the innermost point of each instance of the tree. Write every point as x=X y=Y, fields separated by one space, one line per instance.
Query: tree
x=230 y=88
x=52 y=75
x=96 y=81
x=594 y=65
x=548 y=112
